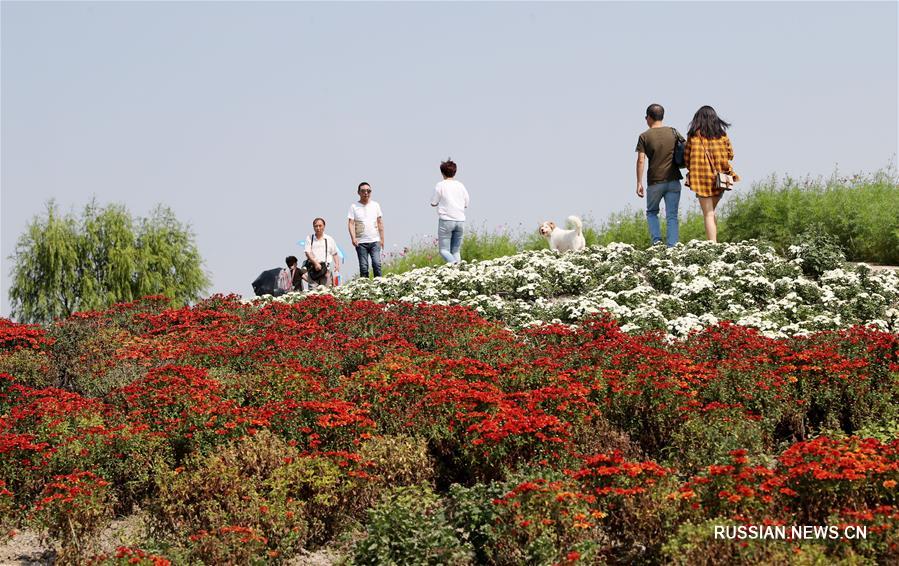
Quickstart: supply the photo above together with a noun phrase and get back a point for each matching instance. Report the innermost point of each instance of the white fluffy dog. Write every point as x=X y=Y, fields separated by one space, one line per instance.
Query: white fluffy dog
x=562 y=240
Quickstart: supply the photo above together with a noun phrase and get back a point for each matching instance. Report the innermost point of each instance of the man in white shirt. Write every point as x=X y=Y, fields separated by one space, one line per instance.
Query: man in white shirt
x=451 y=200
x=366 y=227
x=321 y=256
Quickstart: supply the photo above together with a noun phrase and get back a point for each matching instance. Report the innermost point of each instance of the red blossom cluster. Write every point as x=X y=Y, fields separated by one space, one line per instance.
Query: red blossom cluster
x=16 y=336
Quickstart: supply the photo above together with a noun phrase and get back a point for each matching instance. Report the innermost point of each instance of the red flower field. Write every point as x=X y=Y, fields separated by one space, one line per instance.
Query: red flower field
x=246 y=435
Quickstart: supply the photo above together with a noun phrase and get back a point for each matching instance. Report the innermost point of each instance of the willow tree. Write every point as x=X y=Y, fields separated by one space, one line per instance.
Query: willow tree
x=67 y=263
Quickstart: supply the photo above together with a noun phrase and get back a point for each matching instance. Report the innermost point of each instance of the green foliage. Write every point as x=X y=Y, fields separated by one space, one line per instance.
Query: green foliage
x=29 y=367
x=78 y=348
x=817 y=252
x=708 y=438
x=885 y=430
x=479 y=244
x=630 y=227
x=696 y=544
x=537 y=517
x=861 y=212
x=421 y=253
x=65 y=264
x=73 y=509
x=397 y=460
x=471 y=510
x=8 y=509
x=409 y=526
x=233 y=506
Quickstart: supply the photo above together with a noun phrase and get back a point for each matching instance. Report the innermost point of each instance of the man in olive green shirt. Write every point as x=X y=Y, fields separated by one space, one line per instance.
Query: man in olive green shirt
x=663 y=177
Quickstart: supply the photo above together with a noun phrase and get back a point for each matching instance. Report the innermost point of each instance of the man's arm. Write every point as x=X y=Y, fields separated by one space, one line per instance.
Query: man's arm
x=351 y=228
x=641 y=160
x=381 y=230
x=309 y=255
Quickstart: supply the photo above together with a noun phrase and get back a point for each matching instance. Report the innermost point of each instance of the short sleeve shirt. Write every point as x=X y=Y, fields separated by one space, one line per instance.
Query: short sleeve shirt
x=658 y=145
x=365 y=219
x=317 y=247
x=451 y=199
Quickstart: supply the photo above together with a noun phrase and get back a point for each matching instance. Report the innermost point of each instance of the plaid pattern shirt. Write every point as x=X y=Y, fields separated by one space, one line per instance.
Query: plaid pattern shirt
x=701 y=177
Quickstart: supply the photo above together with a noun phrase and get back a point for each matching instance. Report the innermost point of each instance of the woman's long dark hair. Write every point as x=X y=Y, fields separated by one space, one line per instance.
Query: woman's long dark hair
x=707 y=124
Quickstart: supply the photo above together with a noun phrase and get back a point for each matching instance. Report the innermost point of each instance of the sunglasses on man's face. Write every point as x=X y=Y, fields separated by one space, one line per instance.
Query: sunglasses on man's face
x=365 y=191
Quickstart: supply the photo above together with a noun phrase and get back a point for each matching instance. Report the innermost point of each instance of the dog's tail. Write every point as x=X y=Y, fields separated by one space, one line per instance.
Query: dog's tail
x=576 y=222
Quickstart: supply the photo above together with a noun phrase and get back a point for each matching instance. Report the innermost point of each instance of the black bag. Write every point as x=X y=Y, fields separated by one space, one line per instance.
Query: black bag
x=679 y=149
x=267 y=283
x=311 y=273
x=314 y=275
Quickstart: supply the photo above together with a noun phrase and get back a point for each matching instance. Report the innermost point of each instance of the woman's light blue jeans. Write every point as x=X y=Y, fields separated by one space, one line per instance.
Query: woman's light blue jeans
x=449 y=239
x=670 y=191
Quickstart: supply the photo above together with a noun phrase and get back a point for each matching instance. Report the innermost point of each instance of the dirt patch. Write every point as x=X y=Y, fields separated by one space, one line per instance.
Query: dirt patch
x=322 y=557
x=25 y=548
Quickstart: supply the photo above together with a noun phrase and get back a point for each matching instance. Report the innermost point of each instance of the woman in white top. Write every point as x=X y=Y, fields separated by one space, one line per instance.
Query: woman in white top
x=321 y=249
x=451 y=200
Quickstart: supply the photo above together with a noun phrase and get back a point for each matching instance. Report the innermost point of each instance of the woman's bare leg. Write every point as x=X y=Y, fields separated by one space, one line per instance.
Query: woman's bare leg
x=708 y=204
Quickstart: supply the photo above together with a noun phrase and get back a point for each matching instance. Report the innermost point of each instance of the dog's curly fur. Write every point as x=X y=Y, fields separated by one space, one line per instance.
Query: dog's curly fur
x=562 y=240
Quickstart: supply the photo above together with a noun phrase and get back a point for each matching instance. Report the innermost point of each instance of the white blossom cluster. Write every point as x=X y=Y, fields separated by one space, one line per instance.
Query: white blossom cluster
x=676 y=289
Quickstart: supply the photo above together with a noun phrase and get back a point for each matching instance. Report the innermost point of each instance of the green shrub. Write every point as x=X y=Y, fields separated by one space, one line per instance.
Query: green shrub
x=29 y=367
x=233 y=506
x=83 y=356
x=817 y=252
x=861 y=212
x=472 y=512
x=409 y=526
x=537 y=517
x=422 y=254
x=73 y=510
x=696 y=544
x=637 y=503
x=391 y=461
x=479 y=244
x=709 y=437
x=125 y=457
x=329 y=496
x=9 y=511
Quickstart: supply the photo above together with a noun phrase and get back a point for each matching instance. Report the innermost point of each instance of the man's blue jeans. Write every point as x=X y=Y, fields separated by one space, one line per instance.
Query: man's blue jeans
x=670 y=191
x=366 y=250
x=449 y=239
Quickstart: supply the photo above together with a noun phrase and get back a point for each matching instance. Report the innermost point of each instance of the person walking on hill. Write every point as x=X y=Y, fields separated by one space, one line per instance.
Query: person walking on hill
x=322 y=260
x=707 y=153
x=366 y=228
x=451 y=199
x=663 y=176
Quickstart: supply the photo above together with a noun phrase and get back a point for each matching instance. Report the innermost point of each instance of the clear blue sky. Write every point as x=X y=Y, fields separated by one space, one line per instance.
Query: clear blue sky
x=250 y=119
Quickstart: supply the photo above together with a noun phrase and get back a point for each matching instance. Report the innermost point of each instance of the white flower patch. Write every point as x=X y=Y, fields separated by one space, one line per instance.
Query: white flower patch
x=678 y=289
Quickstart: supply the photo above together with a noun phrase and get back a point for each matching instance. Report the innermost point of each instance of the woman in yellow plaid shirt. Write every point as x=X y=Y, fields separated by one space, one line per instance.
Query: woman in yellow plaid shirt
x=707 y=152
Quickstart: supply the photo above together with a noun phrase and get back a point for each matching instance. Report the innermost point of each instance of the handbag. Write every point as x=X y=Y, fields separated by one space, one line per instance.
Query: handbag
x=311 y=272
x=722 y=180
x=680 y=147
